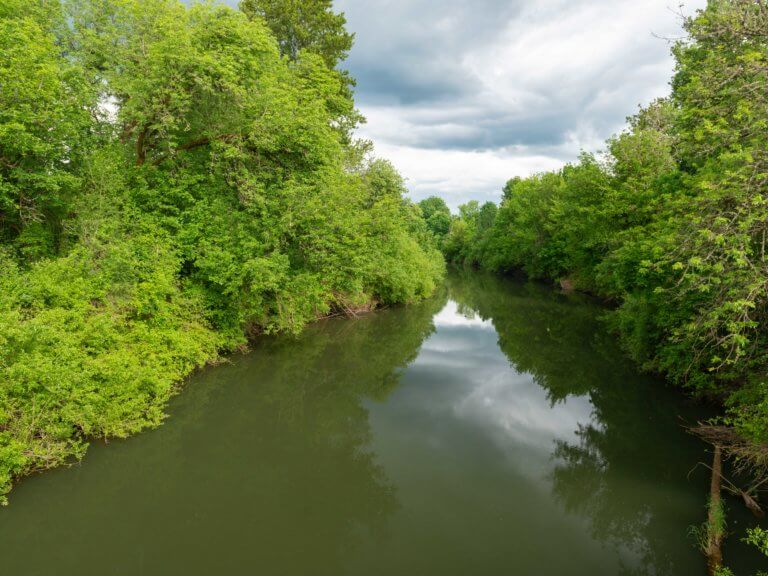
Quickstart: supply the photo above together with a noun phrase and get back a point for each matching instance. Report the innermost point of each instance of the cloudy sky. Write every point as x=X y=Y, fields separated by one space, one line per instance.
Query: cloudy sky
x=464 y=94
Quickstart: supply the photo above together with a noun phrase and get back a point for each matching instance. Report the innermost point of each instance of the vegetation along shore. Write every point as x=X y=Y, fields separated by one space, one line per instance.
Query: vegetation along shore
x=177 y=179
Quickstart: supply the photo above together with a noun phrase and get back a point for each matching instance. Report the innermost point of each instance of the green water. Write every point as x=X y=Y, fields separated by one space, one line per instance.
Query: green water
x=493 y=430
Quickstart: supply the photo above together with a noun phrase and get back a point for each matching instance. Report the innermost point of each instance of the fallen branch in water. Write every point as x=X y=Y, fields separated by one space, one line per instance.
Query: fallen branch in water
x=748 y=457
x=715 y=528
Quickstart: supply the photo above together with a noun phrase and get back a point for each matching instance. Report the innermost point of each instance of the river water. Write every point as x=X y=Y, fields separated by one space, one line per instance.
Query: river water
x=495 y=429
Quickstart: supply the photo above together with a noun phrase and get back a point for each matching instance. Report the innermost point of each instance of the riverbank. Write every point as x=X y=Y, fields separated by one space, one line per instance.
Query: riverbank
x=64 y=388
x=367 y=446
x=173 y=183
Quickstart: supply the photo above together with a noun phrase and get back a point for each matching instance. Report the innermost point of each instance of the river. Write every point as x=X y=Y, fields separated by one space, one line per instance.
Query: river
x=495 y=429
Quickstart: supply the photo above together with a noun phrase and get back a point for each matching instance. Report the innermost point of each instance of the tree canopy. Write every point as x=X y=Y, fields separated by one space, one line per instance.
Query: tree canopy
x=175 y=180
x=304 y=25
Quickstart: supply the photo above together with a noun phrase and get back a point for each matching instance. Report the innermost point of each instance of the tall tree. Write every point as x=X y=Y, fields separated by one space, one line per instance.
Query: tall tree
x=309 y=25
x=433 y=205
x=203 y=190
x=310 y=33
x=43 y=118
x=436 y=213
x=720 y=253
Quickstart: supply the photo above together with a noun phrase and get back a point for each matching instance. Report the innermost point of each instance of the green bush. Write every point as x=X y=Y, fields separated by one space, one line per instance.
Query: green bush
x=200 y=185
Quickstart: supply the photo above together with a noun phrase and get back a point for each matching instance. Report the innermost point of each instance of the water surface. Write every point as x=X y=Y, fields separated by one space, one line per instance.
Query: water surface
x=495 y=429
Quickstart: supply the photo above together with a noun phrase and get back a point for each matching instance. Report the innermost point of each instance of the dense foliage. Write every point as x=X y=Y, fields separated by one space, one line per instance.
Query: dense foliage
x=173 y=180
x=436 y=213
x=670 y=222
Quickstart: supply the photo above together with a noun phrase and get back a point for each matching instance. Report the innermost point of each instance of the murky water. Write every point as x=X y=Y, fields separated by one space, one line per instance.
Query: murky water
x=494 y=430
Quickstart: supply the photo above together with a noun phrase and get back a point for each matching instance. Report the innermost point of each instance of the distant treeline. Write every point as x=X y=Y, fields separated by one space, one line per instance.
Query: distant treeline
x=174 y=180
x=670 y=222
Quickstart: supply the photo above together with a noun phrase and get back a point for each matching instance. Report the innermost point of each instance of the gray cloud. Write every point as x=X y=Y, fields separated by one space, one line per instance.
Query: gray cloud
x=411 y=54
x=463 y=95
x=406 y=50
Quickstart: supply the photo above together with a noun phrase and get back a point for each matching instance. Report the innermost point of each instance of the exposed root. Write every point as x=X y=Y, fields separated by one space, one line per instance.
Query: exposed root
x=343 y=306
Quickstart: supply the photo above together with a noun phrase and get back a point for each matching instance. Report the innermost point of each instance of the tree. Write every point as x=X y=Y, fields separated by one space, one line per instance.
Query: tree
x=170 y=187
x=304 y=25
x=383 y=181
x=487 y=216
x=433 y=205
x=509 y=188
x=43 y=124
x=436 y=213
x=719 y=255
x=309 y=33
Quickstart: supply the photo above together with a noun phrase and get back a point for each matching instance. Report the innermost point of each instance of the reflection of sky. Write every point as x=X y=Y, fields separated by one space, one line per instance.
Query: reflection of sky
x=515 y=409
x=469 y=441
x=450 y=316
x=480 y=387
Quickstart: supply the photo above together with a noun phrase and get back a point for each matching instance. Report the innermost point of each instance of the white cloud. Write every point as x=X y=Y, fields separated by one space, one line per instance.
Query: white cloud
x=465 y=96
x=461 y=175
x=450 y=316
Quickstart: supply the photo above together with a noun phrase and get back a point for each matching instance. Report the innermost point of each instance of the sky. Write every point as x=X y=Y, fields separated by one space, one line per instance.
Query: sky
x=462 y=95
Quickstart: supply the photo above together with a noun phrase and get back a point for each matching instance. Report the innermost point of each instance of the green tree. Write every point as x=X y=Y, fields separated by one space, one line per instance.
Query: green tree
x=436 y=213
x=170 y=187
x=304 y=25
x=509 y=188
x=43 y=126
x=433 y=205
x=719 y=258
x=310 y=33
x=383 y=181
x=522 y=237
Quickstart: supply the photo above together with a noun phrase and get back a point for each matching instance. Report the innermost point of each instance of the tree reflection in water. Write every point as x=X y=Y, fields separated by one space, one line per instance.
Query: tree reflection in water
x=623 y=474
